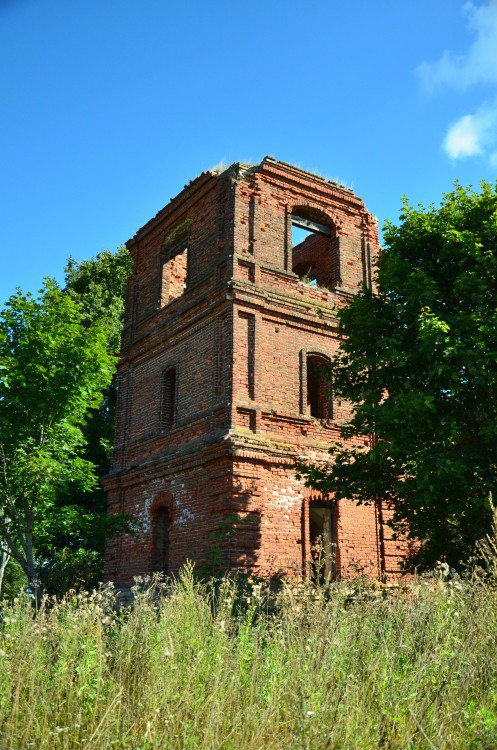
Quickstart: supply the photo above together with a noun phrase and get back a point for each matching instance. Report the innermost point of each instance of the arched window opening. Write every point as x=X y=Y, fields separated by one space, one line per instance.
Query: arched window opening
x=161 y=540
x=322 y=538
x=319 y=402
x=168 y=399
x=313 y=247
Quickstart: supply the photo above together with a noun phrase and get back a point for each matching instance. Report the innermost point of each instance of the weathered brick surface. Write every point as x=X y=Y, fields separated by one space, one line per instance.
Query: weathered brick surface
x=236 y=326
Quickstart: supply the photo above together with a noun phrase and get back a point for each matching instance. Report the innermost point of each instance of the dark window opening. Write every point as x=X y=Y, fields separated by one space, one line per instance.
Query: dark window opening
x=319 y=402
x=322 y=538
x=168 y=399
x=313 y=244
x=161 y=540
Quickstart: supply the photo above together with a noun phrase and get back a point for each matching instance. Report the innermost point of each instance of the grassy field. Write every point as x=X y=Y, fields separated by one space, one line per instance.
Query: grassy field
x=217 y=666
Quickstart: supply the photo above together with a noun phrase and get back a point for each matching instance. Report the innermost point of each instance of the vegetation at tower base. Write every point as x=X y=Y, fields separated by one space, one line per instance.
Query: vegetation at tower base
x=221 y=666
x=52 y=371
x=418 y=362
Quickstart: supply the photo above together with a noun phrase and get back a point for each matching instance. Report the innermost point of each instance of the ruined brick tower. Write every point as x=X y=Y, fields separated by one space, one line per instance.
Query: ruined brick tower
x=230 y=318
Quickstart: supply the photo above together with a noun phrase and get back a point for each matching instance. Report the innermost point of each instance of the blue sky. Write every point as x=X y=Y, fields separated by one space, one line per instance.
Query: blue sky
x=110 y=106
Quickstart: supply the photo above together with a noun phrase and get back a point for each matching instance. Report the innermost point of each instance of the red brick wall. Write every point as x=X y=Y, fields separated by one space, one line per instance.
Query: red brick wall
x=238 y=336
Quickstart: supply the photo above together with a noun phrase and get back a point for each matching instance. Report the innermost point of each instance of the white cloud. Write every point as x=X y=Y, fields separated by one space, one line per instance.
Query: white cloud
x=462 y=139
x=473 y=134
x=478 y=65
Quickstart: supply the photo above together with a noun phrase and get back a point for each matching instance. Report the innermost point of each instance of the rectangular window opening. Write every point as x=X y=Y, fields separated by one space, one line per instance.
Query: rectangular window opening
x=161 y=539
x=322 y=538
x=319 y=402
x=311 y=251
x=174 y=274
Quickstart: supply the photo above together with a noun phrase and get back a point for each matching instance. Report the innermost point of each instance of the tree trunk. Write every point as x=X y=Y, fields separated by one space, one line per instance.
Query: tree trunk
x=4 y=559
x=36 y=588
x=30 y=569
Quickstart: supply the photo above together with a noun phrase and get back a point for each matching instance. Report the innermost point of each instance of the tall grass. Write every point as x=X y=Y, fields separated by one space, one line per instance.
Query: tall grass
x=220 y=667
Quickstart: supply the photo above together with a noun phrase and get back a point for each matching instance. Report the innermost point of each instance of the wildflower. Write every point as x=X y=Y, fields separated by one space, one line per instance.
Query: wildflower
x=256 y=590
x=58 y=730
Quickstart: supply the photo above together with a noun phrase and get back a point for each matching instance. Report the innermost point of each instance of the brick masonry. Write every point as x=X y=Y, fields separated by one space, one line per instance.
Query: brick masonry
x=224 y=320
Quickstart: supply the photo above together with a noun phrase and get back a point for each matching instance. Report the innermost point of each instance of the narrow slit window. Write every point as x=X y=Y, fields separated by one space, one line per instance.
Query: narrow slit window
x=168 y=399
x=161 y=540
x=319 y=402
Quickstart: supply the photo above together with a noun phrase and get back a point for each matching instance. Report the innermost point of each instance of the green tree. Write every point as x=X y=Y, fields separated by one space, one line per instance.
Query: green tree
x=73 y=553
x=13 y=581
x=53 y=369
x=418 y=364
x=99 y=287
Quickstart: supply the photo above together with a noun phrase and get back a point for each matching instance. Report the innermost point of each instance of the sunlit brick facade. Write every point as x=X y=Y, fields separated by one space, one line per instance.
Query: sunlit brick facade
x=230 y=320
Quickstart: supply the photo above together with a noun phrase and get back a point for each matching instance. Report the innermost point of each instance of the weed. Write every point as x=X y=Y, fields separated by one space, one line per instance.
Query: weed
x=217 y=665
